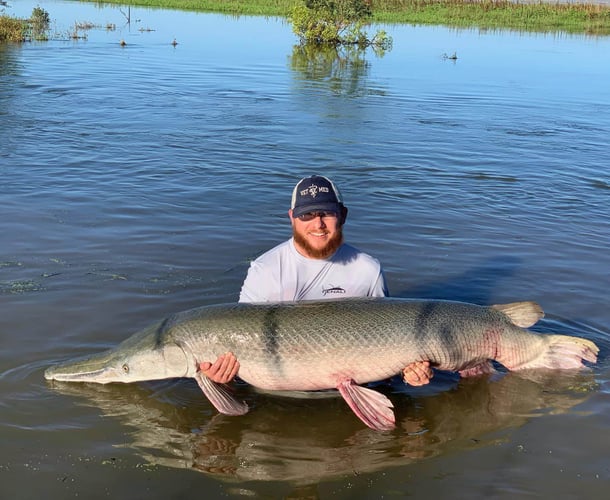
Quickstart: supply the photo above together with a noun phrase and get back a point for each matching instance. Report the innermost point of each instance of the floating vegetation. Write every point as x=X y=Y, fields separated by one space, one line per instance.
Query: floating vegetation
x=84 y=25
x=20 y=286
x=10 y=263
x=110 y=276
x=49 y=275
x=74 y=35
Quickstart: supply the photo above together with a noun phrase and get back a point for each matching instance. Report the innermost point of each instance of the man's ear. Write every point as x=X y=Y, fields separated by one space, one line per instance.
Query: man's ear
x=343 y=215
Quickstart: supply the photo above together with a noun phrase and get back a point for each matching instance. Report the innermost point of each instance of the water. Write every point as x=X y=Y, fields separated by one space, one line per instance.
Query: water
x=138 y=181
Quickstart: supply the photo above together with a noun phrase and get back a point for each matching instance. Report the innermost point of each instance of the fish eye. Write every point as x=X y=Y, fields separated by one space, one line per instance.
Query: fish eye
x=126 y=368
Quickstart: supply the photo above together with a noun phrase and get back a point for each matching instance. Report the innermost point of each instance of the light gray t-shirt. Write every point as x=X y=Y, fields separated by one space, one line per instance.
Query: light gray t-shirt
x=283 y=274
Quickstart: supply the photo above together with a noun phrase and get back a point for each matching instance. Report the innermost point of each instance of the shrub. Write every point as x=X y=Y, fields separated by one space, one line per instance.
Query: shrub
x=11 y=29
x=39 y=24
x=335 y=22
x=20 y=30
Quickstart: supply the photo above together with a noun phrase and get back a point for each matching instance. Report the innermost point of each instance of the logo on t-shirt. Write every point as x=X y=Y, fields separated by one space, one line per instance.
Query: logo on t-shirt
x=333 y=290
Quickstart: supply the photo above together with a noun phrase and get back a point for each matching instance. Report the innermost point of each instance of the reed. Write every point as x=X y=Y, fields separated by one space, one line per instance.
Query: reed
x=11 y=29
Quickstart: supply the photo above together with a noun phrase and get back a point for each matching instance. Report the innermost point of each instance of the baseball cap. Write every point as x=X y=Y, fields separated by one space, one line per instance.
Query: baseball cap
x=315 y=193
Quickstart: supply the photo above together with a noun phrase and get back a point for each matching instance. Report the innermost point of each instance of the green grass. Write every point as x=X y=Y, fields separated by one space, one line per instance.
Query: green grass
x=484 y=14
x=528 y=16
x=280 y=8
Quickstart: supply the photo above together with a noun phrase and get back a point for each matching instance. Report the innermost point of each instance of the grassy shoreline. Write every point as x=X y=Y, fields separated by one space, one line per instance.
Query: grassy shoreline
x=518 y=15
x=589 y=18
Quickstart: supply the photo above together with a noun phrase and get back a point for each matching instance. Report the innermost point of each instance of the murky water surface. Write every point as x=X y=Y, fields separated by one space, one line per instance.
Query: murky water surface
x=139 y=180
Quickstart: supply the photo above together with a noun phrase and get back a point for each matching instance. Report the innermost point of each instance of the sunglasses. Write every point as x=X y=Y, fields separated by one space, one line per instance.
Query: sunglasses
x=324 y=214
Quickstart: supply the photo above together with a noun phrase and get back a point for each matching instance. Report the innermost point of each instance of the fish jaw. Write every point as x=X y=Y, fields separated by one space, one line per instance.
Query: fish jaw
x=117 y=365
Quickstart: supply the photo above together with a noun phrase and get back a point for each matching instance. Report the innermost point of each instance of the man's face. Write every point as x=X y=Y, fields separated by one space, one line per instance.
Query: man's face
x=319 y=237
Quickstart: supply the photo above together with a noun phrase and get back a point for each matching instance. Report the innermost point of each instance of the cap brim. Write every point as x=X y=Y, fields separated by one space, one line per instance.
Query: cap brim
x=303 y=209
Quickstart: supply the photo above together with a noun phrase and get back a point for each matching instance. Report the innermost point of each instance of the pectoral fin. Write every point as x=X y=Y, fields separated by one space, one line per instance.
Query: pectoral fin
x=483 y=368
x=372 y=407
x=220 y=397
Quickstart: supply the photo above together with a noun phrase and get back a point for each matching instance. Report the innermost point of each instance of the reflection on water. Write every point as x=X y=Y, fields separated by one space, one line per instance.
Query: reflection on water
x=344 y=69
x=302 y=441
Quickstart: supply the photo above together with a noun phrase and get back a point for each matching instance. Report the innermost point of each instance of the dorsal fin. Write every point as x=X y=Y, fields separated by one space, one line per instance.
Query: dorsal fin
x=523 y=314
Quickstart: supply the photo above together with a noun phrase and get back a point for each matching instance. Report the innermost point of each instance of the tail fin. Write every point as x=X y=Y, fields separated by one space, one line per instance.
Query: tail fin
x=564 y=352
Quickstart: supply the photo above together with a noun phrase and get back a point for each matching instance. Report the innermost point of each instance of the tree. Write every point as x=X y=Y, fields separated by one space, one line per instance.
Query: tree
x=336 y=22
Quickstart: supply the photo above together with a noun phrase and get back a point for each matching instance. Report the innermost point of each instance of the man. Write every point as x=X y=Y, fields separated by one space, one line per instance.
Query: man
x=315 y=264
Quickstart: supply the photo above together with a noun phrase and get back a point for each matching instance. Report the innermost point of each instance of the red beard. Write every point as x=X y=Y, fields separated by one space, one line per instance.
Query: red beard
x=324 y=253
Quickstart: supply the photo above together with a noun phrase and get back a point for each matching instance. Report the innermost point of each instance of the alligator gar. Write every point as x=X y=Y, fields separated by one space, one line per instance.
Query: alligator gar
x=332 y=344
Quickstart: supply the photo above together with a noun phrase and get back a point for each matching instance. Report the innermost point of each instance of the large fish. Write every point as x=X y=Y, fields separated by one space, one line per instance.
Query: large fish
x=332 y=344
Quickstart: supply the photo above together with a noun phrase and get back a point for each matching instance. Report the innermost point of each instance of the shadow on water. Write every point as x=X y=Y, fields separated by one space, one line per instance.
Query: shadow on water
x=304 y=441
x=475 y=285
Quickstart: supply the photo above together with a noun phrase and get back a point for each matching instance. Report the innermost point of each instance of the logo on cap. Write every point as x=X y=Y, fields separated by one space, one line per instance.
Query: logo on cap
x=313 y=190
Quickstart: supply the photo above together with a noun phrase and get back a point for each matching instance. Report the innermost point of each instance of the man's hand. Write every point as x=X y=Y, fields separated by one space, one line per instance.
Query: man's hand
x=418 y=373
x=223 y=370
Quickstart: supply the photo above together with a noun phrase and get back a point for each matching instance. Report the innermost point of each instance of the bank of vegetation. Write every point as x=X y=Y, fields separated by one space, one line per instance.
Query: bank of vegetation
x=544 y=16
x=522 y=15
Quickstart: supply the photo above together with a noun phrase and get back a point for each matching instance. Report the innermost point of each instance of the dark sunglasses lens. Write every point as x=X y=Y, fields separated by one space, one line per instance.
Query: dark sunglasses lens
x=312 y=215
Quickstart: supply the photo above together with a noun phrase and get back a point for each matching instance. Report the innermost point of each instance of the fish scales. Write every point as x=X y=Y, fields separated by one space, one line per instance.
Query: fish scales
x=300 y=347
x=332 y=344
